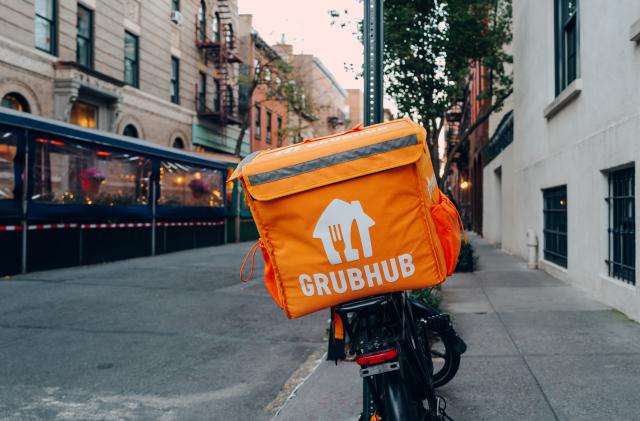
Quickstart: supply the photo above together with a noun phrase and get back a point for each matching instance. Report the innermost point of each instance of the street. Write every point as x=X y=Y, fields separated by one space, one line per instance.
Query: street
x=173 y=337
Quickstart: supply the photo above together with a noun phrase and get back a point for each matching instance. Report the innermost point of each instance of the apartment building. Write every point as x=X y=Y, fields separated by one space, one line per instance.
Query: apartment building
x=267 y=106
x=565 y=184
x=154 y=70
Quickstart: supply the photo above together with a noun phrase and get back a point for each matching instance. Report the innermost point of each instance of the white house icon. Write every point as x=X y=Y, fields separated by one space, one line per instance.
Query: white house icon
x=334 y=229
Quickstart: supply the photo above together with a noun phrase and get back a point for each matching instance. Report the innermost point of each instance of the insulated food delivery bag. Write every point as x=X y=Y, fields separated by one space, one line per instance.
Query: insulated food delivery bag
x=350 y=215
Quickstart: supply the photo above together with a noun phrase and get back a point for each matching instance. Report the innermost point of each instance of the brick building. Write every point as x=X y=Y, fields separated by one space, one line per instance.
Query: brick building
x=267 y=108
x=154 y=70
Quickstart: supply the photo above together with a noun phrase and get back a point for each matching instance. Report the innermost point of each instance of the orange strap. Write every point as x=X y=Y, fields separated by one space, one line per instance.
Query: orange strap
x=252 y=253
x=338 y=328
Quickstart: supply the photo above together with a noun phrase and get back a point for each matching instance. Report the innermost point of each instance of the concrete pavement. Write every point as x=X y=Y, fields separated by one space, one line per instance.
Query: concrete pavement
x=539 y=350
x=174 y=337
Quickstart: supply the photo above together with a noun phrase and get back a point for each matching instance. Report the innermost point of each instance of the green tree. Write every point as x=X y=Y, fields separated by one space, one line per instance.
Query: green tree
x=429 y=46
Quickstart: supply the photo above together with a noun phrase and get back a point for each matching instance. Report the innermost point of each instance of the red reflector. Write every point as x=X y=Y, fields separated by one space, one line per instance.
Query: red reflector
x=378 y=357
x=56 y=142
x=103 y=153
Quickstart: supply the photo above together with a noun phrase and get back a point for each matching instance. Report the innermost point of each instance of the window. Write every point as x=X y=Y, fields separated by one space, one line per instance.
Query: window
x=175 y=80
x=84 y=48
x=202 y=21
x=215 y=27
x=280 y=134
x=216 y=95
x=258 y=118
x=231 y=103
x=131 y=59
x=622 y=225
x=202 y=92
x=178 y=143
x=184 y=185
x=15 y=101
x=68 y=173
x=130 y=130
x=268 y=126
x=84 y=115
x=567 y=43
x=175 y=5
x=555 y=225
x=45 y=21
x=8 y=149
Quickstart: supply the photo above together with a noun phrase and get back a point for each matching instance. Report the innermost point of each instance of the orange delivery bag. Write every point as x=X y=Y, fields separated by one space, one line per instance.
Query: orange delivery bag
x=350 y=215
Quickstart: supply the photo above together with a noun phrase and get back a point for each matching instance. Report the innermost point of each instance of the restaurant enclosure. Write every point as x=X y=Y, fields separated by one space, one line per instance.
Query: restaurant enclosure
x=72 y=196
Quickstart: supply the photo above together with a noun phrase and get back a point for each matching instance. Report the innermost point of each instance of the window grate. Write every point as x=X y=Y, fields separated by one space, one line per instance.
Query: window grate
x=555 y=225
x=621 y=261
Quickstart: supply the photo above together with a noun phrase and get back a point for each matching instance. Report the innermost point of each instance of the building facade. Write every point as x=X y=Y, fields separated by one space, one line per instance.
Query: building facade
x=356 y=102
x=327 y=100
x=568 y=176
x=133 y=67
x=267 y=106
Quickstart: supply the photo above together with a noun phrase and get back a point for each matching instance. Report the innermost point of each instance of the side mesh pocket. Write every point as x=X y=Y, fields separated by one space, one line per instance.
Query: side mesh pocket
x=450 y=230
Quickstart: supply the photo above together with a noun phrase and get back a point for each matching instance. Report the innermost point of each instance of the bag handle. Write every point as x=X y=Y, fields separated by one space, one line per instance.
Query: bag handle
x=252 y=253
x=355 y=128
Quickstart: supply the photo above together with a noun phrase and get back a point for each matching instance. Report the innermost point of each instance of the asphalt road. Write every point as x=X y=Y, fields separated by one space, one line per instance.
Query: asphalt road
x=173 y=337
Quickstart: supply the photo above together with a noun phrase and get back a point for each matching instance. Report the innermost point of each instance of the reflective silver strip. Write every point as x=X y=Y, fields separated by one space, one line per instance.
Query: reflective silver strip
x=246 y=160
x=327 y=161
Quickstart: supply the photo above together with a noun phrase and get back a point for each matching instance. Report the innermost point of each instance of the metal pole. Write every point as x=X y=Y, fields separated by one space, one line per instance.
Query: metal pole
x=373 y=62
x=25 y=203
x=373 y=108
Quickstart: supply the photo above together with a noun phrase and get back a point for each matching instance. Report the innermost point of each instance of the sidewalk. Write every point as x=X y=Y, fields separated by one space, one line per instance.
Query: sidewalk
x=539 y=349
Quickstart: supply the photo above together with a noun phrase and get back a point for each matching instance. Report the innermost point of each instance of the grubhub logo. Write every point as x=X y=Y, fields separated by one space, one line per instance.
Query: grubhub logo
x=333 y=229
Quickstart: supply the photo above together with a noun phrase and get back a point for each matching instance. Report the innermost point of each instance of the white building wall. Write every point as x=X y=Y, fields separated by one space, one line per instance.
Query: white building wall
x=599 y=129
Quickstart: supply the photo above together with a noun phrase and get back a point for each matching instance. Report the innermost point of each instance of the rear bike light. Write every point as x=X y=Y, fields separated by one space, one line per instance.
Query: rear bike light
x=378 y=357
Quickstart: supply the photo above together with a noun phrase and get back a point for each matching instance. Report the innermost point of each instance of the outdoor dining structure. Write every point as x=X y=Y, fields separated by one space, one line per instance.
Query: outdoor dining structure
x=73 y=196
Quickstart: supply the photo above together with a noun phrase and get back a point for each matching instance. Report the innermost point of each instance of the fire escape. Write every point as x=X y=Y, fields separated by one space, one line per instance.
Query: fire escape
x=219 y=50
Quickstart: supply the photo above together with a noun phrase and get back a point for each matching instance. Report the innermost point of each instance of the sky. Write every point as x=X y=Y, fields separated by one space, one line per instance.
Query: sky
x=306 y=24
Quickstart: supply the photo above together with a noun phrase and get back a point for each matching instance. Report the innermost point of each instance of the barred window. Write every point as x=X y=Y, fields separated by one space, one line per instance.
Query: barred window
x=622 y=225
x=555 y=225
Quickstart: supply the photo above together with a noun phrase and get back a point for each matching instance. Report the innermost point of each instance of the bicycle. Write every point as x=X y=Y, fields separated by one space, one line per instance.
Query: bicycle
x=392 y=347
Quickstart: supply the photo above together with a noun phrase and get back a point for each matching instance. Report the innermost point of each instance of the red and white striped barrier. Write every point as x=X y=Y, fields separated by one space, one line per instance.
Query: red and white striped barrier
x=37 y=227
x=10 y=227
x=121 y=225
x=50 y=226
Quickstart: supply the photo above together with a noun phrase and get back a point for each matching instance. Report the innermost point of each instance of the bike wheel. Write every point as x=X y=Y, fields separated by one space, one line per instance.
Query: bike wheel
x=398 y=406
x=446 y=361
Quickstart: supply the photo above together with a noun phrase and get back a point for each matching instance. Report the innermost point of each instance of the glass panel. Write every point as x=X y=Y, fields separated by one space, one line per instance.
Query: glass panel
x=15 y=102
x=215 y=27
x=43 y=34
x=8 y=148
x=130 y=44
x=83 y=52
x=44 y=8
x=175 y=5
x=84 y=115
x=84 y=22
x=68 y=173
x=258 y=122
x=184 y=185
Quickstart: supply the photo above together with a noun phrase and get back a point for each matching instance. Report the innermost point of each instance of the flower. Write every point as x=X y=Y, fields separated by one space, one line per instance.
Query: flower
x=92 y=174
